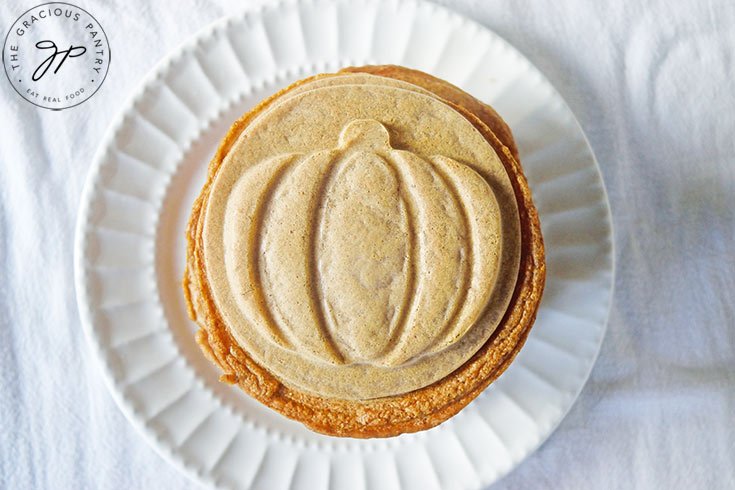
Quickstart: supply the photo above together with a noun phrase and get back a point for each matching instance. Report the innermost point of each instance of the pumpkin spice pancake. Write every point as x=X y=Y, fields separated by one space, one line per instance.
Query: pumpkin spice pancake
x=365 y=257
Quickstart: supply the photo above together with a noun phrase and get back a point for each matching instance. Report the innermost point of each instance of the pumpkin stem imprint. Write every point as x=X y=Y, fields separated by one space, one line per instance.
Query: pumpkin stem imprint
x=365 y=134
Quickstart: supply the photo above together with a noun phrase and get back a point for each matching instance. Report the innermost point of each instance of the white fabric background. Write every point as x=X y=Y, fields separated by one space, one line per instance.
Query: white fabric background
x=653 y=85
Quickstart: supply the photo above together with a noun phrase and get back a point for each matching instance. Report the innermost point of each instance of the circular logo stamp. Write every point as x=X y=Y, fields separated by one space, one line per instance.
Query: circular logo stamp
x=56 y=55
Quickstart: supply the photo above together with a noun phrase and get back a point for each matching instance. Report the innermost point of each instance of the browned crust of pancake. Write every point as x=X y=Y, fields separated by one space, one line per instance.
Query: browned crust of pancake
x=410 y=412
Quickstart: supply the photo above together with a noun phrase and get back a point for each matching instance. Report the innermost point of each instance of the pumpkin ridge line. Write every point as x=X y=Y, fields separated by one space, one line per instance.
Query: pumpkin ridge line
x=349 y=153
x=318 y=225
x=467 y=274
x=412 y=250
x=316 y=217
x=256 y=245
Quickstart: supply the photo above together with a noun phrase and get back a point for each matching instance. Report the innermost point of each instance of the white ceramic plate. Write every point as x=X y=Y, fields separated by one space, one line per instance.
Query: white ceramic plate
x=150 y=167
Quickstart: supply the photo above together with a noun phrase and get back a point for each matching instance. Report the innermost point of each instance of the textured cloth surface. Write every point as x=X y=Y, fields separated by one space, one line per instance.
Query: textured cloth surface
x=653 y=85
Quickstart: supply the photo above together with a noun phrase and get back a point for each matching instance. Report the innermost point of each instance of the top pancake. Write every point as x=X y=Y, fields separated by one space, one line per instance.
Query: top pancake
x=361 y=238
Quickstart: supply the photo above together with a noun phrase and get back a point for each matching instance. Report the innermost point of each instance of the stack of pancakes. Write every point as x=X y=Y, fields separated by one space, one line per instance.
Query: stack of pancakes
x=365 y=256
